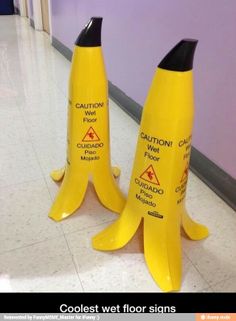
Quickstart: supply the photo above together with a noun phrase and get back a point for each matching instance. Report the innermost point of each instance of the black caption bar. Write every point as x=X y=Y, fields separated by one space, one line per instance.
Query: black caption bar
x=117 y=302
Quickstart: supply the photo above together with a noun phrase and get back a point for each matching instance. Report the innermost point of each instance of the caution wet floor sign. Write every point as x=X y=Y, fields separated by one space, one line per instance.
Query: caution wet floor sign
x=88 y=150
x=160 y=171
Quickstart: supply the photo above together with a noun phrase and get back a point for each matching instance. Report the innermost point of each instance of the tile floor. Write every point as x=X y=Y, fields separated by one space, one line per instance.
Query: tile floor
x=37 y=254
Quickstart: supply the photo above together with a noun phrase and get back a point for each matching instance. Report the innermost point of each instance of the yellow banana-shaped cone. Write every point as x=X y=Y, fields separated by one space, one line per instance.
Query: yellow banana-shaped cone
x=160 y=172
x=88 y=145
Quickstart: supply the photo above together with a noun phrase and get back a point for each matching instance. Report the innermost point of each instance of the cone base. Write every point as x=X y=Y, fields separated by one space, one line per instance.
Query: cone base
x=69 y=198
x=118 y=234
x=73 y=188
x=195 y=231
x=58 y=174
x=162 y=247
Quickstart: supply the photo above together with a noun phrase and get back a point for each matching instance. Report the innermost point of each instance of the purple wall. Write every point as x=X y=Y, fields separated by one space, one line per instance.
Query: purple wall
x=137 y=34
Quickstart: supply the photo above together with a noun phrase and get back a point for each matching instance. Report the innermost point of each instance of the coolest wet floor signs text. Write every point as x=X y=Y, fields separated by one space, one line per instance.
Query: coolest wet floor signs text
x=88 y=150
x=160 y=172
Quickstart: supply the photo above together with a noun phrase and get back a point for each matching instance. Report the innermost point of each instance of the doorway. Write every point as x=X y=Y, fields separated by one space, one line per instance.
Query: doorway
x=45 y=16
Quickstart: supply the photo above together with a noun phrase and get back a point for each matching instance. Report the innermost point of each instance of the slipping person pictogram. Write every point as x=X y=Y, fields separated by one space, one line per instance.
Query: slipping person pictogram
x=164 y=138
x=149 y=175
x=91 y=136
x=88 y=149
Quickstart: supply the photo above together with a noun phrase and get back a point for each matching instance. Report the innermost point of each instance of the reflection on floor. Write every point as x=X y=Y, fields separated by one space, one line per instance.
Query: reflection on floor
x=37 y=254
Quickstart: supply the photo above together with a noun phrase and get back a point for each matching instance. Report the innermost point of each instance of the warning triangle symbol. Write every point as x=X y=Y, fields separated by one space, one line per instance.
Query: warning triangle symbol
x=149 y=175
x=185 y=174
x=91 y=136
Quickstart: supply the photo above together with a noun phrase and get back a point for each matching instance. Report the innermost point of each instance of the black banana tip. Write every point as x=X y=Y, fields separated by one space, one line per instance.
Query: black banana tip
x=90 y=36
x=180 y=58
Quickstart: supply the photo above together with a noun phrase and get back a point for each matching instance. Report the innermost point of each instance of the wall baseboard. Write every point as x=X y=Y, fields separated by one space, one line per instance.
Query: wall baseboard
x=64 y=50
x=218 y=180
x=132 y=108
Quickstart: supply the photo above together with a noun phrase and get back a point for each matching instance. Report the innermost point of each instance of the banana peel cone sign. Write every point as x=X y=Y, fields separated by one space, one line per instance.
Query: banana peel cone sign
x=88 y=149
x=160 y=172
